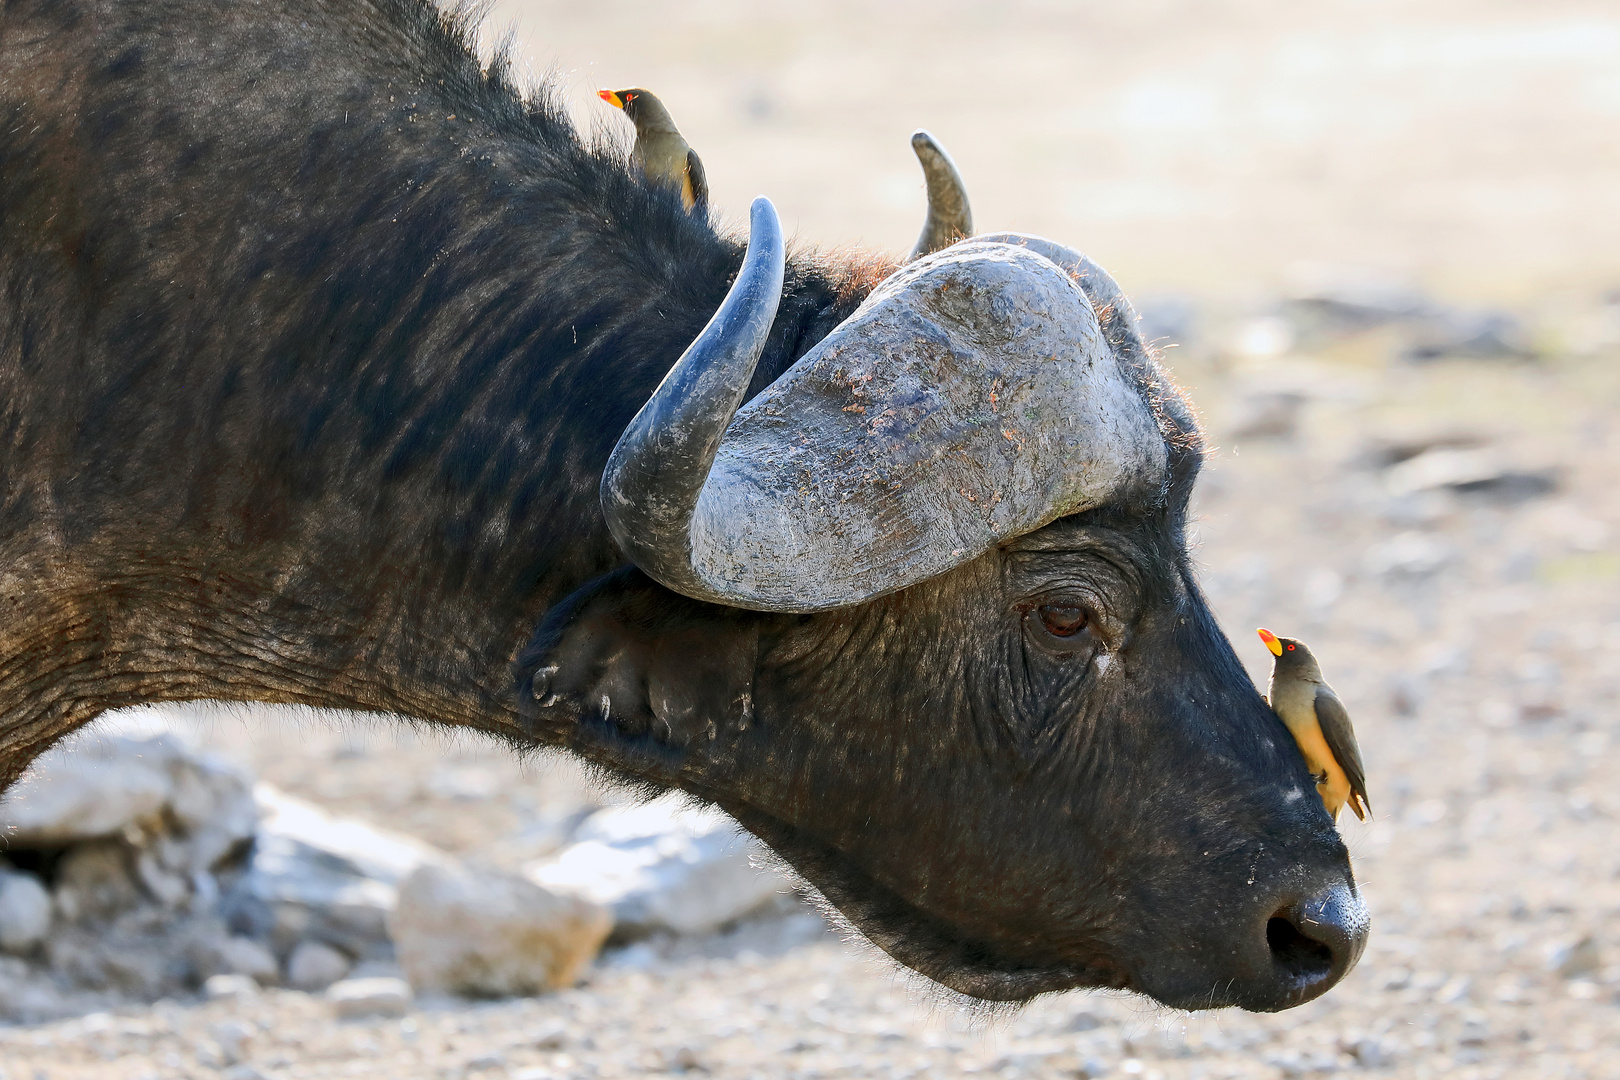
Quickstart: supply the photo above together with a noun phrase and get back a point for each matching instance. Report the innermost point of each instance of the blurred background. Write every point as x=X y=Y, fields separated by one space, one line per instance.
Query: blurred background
x=1380 y=245
x=1209 y=146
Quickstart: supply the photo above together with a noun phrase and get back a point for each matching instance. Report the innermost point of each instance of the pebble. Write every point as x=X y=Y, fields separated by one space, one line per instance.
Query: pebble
x=549 y=1036
x=376 y=996
x=230 y=988
x=486 y=934
x=1574 y=957
x=232 y=1036
x=314 y=965
x=1454 y=990
x=1371 y=1053
x=236 y=955
x=25 y=911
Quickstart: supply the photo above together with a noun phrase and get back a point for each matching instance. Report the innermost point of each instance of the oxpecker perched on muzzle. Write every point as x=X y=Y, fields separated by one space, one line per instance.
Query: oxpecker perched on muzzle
x=1319 y=723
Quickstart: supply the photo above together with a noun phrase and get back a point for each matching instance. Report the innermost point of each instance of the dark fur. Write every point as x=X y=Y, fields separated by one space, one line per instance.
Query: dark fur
x=314 y=339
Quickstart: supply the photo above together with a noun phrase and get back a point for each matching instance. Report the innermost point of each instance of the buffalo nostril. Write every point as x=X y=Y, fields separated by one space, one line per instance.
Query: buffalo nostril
x=1301 y=959
x=1315 y=941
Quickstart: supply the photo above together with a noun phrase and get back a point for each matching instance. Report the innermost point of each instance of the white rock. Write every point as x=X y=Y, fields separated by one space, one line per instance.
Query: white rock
x=365 y=850
x=489 y=934
x=90 y=787
x=663 y=864
x=1574 y=957
x=328 y=878
x=214 y=804
x=230 y=988
x=314 y=965
x=235 y=956
x=25 y=911
x=126 y=774
x=169 y=888
x=1371 y=1053
x=232 y=1037
x=369 y=997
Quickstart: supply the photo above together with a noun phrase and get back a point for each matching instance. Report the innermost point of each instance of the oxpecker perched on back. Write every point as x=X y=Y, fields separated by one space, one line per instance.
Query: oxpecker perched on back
x=660 y=150
x=1319 y=723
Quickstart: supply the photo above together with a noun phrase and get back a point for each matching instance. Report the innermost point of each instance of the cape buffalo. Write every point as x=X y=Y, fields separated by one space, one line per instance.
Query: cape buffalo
x=336 y=372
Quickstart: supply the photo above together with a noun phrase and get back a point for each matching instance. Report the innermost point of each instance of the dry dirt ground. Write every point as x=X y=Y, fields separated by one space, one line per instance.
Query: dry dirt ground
x=1474 y=637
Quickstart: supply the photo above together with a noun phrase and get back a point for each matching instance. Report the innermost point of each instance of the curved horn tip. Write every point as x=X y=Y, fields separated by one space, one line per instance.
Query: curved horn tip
x=762 y=212
x=657 y=471
x=765 y=245
x=949 y=216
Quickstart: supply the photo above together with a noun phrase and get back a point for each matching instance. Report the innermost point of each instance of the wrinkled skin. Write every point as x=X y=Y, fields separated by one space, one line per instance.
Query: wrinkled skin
x=884 y=725
x=307 y=388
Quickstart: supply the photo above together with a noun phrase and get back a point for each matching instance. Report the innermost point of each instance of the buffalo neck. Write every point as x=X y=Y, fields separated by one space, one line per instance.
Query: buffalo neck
x=319 y=361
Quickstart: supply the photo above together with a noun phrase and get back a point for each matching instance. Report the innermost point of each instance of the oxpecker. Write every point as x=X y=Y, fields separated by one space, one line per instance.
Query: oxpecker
x=1319 y=723
x=660 y=150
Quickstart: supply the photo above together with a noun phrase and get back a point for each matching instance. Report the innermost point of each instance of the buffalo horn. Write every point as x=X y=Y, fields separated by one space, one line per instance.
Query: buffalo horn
x=971 y=398
x=949 y=217
x=1119 y=326
x=657 y=471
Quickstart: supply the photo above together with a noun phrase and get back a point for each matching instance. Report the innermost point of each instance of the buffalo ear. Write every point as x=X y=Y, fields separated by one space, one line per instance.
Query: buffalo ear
x=628 y=669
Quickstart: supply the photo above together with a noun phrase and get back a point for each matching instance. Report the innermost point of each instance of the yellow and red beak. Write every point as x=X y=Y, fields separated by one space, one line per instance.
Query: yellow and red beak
x=1271 y=641
x=611 y=98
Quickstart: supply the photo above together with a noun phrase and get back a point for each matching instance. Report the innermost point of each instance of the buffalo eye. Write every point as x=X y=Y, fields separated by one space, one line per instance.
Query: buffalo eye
x=1063 y=621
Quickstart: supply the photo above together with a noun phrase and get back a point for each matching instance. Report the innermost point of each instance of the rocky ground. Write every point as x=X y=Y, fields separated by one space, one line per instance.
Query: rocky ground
x=1421 y=489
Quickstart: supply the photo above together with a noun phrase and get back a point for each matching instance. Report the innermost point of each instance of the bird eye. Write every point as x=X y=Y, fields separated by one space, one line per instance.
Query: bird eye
x=1290 y=648
x=1063 y=621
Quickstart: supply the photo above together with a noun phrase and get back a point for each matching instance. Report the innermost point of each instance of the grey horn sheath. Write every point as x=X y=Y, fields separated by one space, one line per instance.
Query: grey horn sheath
x=949 y=216
x=651 y=485
x=1119 y=323
x=971 y=398
x=979 y=393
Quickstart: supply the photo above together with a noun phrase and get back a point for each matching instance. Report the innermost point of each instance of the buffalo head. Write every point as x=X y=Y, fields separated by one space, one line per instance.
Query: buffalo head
x=920 y=616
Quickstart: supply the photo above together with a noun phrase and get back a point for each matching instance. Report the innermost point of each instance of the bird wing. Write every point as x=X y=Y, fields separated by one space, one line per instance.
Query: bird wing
x=698 y=182
x=1340 y=737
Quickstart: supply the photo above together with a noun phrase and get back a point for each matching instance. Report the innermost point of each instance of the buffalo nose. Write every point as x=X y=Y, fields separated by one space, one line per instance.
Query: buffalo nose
x=1315 y=941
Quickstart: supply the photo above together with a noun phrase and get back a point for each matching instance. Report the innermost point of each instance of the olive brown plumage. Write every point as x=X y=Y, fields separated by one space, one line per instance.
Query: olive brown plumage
x=1318 y=721
x=660 y=150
